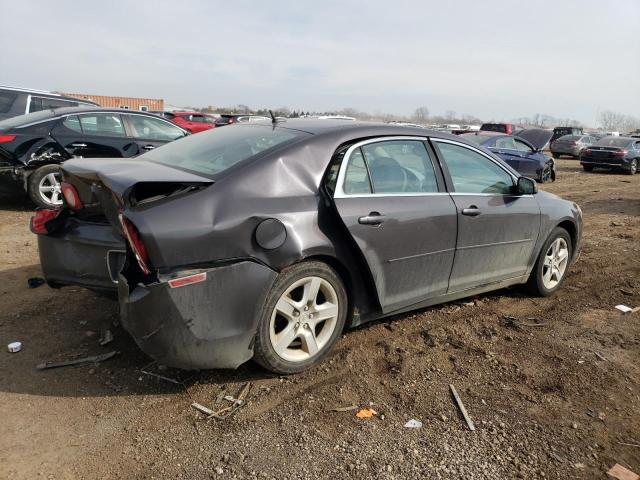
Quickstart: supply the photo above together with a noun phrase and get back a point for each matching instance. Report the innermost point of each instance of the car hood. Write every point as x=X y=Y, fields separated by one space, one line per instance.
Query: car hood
x=537 y=137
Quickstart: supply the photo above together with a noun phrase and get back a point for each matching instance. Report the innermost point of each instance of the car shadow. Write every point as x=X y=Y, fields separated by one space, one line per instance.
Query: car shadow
x=18 y=202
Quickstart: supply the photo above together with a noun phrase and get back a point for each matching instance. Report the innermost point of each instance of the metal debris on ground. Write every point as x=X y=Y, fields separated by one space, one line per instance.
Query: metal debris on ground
x=229 y=410
x=366 y=413
x=462 y=409
x=14 y=347
x=77 y=361
x=600 y=356
x=413 y=423
x=161 y=377
x=622 y=473
x=35 y=282
x=624 y=308
x=345 y=409
x=513 y=322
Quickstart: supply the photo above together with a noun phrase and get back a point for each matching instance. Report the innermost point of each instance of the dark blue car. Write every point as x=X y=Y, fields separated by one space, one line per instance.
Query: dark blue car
x=522 y=152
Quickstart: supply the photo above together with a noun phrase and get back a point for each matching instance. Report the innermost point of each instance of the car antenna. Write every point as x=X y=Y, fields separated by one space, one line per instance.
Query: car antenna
x=273 y=118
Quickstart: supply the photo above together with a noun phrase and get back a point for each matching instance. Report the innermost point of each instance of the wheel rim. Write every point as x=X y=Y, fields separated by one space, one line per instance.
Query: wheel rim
x=634 y=166
x=304 y=319
x=49 y=189
x=555 y=263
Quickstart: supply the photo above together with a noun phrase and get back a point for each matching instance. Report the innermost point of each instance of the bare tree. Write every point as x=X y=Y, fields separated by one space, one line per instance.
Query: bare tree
x=421 y=114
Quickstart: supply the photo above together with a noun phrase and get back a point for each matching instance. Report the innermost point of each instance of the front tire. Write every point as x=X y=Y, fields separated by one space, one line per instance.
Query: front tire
x=552 y=264
x=43 y=187
x=302 y=318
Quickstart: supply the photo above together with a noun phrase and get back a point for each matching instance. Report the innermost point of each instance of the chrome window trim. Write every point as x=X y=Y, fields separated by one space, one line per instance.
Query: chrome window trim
x=340 y=193
x=26 y=108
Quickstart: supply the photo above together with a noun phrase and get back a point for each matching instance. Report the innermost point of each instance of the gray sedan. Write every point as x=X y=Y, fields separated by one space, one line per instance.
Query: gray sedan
x=571 y=145
x=265 y=241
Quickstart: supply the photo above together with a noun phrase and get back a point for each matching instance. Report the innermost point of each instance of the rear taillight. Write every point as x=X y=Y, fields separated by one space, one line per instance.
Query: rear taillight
x=71 y=196
x=135 y=242
x=620 y=153
x=231 y=120
x=40 y=219
x=188 y=280
x=7 y=138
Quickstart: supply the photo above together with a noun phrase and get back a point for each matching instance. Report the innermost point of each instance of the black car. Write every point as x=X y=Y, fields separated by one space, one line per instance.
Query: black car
x=15 y=101
x=229 y=119
x=612 y=153
x=264 y=241
x=32 y=146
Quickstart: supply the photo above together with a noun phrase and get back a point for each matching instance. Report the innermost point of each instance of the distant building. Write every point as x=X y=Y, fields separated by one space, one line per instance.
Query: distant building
x=128 y=103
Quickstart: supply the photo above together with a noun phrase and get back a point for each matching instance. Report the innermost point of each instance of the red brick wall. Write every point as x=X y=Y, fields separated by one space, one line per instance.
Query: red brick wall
x=115 y=102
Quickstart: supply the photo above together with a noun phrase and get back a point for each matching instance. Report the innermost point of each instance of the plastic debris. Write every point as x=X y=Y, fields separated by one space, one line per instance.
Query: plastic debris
x=226 y=412
x=14 y=347
x=366 y=413
x=35 y=282
x=622 y=473
x=413 y=423
x=624 y=308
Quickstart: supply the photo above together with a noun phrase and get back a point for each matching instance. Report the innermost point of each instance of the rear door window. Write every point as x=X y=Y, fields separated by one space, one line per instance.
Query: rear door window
x=72 y=122
x=102 y=124
x=505 y=143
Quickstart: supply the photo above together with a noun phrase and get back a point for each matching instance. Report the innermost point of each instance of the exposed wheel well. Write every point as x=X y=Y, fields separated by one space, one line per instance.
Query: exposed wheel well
x=570 y=227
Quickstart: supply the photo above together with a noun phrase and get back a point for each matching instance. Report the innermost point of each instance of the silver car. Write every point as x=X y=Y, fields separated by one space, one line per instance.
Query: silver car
x=571 y=145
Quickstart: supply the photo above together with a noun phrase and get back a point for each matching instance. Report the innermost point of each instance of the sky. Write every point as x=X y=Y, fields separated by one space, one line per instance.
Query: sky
x=496 y=59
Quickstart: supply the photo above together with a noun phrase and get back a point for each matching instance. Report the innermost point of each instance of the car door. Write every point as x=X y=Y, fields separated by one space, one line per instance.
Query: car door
x=497 y=229
x=530 y=161
x=151 y=132
x=391 y=197
x=94 y=134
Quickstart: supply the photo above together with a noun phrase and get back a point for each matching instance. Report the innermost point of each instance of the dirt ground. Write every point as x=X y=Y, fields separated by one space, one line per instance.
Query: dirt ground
x=544 y=404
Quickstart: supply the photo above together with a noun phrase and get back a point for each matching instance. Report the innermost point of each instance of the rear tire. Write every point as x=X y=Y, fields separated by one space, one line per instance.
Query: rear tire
x=552 y=264
x=633 y=167
x=588 y=168
x=302 y=318
x=43 y=187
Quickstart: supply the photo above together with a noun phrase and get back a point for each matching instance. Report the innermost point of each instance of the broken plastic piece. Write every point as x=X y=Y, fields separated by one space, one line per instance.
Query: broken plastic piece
x=462 y=409
x=624 y=308
x=366 y=413
x=14 y=347
x=77 y=361
x=35 y=282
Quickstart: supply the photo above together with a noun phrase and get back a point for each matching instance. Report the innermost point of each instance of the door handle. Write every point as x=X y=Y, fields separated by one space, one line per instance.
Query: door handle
x=79 y=145
x=374 y=218
x=472 y=211
x=148 y=147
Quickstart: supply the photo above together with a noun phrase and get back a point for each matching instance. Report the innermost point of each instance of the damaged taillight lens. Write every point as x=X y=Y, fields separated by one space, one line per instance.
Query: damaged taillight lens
x=135 y=242
x=71 y=196
x=620 y=153
x=40 y=219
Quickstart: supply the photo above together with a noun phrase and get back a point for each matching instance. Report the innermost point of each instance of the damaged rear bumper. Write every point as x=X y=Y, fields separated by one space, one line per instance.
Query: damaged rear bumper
x=210 y=324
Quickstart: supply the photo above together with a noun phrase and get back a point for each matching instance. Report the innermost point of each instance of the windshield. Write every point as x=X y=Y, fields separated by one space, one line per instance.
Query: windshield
x=21 y=120
x=216 y=150
x=613 y=142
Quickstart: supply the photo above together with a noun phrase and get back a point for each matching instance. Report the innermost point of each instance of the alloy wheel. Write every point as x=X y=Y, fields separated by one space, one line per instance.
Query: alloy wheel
x=555 y=263
x=304 y=319
x=49 y=189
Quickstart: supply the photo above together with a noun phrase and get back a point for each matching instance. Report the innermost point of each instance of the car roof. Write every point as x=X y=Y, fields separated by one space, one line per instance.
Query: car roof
x=44 y=93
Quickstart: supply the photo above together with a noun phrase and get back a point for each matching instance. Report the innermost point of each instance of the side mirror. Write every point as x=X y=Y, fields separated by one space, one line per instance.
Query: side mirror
x=526 y=186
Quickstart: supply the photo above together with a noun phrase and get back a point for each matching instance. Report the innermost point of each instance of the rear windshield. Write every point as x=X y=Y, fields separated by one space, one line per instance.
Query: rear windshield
x=570 y=137
x=479 y=139
x=613 y=142
x=21 y=120
x=6 y=101
x=216 y=150
x=494 y=127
